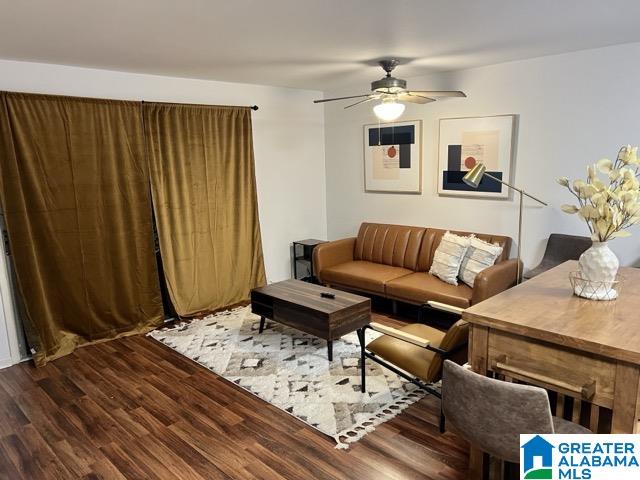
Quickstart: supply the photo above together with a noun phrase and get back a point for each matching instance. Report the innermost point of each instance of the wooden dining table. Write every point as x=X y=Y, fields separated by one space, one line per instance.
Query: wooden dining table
x=586 y=352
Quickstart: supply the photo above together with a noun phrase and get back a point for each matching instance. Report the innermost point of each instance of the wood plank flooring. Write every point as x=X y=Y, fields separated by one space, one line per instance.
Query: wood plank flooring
x=134 y=409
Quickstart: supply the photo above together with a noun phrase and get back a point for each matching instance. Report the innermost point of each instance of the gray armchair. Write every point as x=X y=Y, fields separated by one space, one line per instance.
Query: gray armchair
x=560 y=248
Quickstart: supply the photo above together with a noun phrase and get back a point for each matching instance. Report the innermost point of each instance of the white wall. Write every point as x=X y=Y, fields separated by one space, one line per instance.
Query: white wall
x=9 y=342
x=573 y=109
x=5 y=349
x=288 y=132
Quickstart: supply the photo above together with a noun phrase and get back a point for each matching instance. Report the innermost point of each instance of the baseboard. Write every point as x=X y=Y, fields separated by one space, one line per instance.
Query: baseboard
x=5 y=362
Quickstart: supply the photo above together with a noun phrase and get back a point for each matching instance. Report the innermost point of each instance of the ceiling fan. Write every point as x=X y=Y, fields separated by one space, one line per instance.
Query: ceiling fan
x=390 y=91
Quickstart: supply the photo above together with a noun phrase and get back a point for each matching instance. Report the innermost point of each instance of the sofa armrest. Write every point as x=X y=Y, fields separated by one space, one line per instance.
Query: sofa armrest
x=333 y=253
x=494 y=280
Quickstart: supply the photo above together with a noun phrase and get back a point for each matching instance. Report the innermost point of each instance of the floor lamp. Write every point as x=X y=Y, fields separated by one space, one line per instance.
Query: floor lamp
x=473 y=178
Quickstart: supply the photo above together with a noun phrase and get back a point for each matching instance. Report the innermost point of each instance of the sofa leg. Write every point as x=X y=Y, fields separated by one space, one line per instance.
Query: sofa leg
x=394 y=307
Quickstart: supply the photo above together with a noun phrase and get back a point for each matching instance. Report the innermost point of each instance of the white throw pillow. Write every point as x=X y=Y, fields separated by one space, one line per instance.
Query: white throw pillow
x=448 y=257
x=479 y=255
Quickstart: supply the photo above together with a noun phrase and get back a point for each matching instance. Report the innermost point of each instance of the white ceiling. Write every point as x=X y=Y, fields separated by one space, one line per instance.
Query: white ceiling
x=313 y=44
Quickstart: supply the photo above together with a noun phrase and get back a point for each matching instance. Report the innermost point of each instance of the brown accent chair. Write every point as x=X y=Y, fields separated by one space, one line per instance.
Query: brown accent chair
x=392 y=261
x=416 y=352
x=419 y=349
x=491 y=414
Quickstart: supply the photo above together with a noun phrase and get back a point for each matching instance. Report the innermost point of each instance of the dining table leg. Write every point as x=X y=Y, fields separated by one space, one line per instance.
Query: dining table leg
x=478 y=357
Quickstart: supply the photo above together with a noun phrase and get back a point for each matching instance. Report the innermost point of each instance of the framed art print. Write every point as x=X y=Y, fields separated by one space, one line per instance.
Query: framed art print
x=393 y=157
x=464 y=142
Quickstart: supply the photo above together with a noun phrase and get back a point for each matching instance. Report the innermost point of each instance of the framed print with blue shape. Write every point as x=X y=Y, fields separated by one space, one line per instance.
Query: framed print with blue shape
x=393 y=157
x=464 y=142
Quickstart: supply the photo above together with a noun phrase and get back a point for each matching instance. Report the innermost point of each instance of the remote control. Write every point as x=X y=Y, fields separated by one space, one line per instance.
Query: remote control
x=327 y=295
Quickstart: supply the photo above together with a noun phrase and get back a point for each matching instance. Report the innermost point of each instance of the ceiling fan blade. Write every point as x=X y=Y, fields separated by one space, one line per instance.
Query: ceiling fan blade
x=371 y=97
x=440 y=93
x=340 y=98
x=411 y=97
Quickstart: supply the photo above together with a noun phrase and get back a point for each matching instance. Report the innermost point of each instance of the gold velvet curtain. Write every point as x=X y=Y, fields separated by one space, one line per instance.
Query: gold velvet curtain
x=204 y=197
x=75 y=192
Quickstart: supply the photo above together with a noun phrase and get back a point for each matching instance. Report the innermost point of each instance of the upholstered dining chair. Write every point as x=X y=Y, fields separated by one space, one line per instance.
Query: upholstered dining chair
x=560 y=248
x=416 y=351
x=491 y=414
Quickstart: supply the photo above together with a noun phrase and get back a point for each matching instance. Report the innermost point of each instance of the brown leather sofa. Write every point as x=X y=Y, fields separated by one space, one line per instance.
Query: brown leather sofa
x=392 y=261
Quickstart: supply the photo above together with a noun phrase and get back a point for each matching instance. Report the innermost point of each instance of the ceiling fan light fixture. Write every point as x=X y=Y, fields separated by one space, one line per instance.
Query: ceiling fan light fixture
x=392 y=91
x=388 y=110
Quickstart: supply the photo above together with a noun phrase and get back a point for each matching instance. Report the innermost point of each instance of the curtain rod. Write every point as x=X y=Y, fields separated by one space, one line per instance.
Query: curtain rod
x=252 y=107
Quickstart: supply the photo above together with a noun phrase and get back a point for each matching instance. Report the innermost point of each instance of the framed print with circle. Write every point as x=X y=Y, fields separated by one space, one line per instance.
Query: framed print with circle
x=393 y=157
x=464 y=142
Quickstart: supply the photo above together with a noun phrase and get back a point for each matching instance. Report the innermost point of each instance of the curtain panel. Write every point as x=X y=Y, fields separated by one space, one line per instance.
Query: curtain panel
x=75 y=191
x=204 y=196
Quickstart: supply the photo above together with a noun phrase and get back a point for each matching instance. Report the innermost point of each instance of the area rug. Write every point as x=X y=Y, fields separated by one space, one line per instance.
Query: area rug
x=290 y=370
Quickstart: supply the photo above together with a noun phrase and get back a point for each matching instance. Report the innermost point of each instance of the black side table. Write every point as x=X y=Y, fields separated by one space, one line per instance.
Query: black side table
x=303 y=254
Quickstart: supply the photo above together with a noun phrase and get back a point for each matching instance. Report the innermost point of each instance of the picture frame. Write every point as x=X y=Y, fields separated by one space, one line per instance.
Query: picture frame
x=465 y=141
x=393 y=157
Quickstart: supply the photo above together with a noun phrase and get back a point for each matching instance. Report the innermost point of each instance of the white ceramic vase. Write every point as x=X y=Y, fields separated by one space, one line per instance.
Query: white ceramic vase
x=599 y=267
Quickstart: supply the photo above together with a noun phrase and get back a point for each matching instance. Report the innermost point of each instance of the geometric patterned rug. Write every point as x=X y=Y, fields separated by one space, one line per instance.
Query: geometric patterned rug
x=290 y=370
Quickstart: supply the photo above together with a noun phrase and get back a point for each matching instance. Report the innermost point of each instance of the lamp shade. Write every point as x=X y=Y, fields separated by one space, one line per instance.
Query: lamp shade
x=474 y=176
x=388 y=110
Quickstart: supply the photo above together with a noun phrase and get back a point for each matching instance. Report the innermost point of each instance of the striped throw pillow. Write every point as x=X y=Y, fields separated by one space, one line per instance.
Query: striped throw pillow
x=479 y=255
x=448 y=257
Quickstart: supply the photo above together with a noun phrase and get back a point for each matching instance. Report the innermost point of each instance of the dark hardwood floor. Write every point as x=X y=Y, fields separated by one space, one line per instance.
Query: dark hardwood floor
x=132 y=408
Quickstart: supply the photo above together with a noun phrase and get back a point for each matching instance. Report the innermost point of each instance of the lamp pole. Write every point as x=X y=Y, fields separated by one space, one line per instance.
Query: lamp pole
x=521 y=193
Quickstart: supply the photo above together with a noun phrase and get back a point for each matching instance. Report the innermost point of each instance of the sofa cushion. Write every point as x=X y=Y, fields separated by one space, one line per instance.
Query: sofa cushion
x=363 y=275
x=395 y=245
x=422 y=287
x=410 y=358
